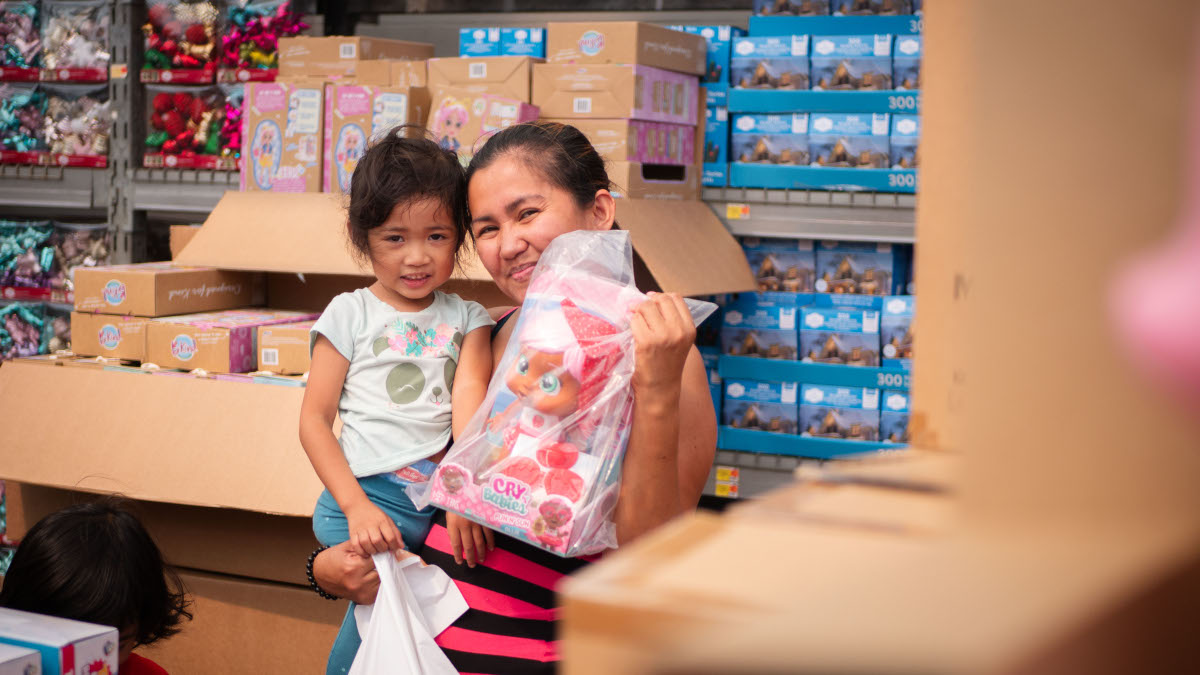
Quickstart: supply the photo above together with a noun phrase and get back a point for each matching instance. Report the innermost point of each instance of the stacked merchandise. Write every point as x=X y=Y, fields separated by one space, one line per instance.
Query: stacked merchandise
x=716 y=108
x=633 y=89
x=502 y=42
x=476 y=95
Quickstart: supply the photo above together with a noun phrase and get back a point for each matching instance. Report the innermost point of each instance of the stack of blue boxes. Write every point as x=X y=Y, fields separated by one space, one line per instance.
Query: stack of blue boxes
x=502 y=42
x=716 y=113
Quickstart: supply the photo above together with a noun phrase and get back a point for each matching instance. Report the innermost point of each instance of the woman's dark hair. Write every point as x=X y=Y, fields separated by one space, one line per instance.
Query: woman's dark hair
x=559 y=152
x=95 y=562
x=398 y=170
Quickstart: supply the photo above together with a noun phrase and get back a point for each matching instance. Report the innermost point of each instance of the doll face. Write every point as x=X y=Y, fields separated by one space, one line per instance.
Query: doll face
x=541 y=381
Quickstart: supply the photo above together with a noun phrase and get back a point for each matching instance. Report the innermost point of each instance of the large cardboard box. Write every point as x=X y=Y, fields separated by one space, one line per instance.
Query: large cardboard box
x=284 y=349
x=505 y=76
x=219 y=342
x=635 y=180
x=388 y=73
x=336 y=56
x=163 y=288
x=459 y=119
x=627 y=42
x=356 y=114
x=615 y=91
x=626 y=140
x=108 y=335
x=282 y=131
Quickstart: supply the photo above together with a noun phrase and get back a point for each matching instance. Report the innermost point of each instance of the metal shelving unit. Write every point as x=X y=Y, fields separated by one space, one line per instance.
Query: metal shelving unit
x=747 y=474
x=53 y=187
x=813 y=214
x=179 y=190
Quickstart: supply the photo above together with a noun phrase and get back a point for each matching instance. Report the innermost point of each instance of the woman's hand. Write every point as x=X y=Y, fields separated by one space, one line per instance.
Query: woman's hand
x=371 y=530
x=469 y=540
x=663 y=335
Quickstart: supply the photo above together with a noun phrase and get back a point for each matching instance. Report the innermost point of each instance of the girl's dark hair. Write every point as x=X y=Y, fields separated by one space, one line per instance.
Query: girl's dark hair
x=559 y=152
x=95 y=562
x=398 y=170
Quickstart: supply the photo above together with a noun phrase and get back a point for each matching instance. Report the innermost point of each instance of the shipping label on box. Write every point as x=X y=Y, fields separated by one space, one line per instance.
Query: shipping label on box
x=906 y=62
x=357 y=114
x=775 y=62
x=108 y=335
x=754 y=328
x=840 y=335
x=504 y=76
x=850 y=413
x=770 y=139
x=720 y=40
x=622 y=140
x=850 y=140
x=65 y=647
x=220 y=342
x=160 y=289
x=893 y=417
x=852 y=62
x=325 y=57
x=459 y=119
x=19 y=660
x=284 y=349
x=896 y=331
x=786 y=265
x=523 y=42
x=906 y=137
x=765 y=406
x=791 y=7
x=615 y=91
x=626 y=42
x=479 y=42
x=282 y=129
x=855 y=268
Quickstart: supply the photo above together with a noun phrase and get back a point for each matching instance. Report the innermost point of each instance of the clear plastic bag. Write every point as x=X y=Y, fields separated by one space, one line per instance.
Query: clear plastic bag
x=541 y=459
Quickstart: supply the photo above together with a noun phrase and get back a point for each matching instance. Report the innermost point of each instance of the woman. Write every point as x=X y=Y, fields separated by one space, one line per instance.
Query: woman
x=527 y=185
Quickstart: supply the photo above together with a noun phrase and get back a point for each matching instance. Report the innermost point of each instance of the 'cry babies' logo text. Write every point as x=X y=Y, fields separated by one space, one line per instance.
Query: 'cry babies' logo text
x=591 y=42
x=507 y=493
x=109 y=336
x=183 y=347
x=114 y=292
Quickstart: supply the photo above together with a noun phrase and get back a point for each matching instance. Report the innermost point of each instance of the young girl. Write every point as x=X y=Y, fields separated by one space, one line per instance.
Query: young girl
x=400 y=362
x=96 y=563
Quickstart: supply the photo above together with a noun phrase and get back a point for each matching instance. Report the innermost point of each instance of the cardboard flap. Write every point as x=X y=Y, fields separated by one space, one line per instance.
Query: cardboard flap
x=158 y=438
x=685 y=246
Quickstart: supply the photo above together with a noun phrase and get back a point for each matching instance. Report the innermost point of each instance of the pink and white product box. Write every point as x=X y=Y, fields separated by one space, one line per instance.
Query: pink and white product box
x=609 y=91
x=220 y=342
x=19 y=660
x=65 y=647
x=639 y=141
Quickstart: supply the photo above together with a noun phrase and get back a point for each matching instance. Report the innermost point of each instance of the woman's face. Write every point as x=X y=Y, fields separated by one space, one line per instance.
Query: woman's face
x=515 y=213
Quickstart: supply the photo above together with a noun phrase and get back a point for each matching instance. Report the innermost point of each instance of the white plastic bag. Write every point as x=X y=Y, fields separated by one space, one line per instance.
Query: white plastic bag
x=541 y=459
x=415 y=603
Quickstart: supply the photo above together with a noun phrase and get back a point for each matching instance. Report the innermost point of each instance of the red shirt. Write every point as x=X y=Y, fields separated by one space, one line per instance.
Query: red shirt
x=140 y=665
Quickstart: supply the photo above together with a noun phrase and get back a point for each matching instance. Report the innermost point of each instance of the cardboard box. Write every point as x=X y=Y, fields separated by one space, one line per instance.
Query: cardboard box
x=409 y=73
x=770 y=139
x=503 y=76
x=325 y=57
x=65 y=646
x=773 y=62
x=720 y=39
x=849 y=140
x=906 y=62
x=850 y=413
x=626 y=42
x=764 y=406
x=474 y=42
x=634 y=180
x=615 y=91
x=221 y=342
x=785 y=265
x=459 y=119
x=905 y=140
x=716 y=147
x=108 y=335
x=893 y=416
x=162 y=288
x=19 y=660
x=896 y=331
x=285 y=349
x=851 y=62
x=180 y=235
x=355 y=115
x=840 y=335
x=523 y=42
x=753 y=327
x=282 y=131
x=623 y=140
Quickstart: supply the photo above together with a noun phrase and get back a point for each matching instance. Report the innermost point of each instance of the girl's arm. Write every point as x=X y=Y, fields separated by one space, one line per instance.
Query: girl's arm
x=371 y=531
x=674 y=434
x=469 y=540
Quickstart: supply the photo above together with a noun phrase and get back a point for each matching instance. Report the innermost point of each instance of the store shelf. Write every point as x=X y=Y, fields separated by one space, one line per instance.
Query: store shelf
x=180 y=190
x=785 y=101
x=776 y=370
x=905 y=24
x=53 y=187
x=746 y=475
x=804 y=214
x=768 y=443
x=52 y=295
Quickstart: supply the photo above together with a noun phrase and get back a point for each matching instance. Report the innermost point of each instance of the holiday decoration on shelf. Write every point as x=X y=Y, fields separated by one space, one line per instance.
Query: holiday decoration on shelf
x=231 y=130
x=26 y=253
x=22 y=109
x=21 y=330
x=78 y=245
x=20 y=42
x=75 y=41
x=56 y=329
x=185 y=125
x=77 y=124
x=249 y=50
x=180 y=41
x=542 y=459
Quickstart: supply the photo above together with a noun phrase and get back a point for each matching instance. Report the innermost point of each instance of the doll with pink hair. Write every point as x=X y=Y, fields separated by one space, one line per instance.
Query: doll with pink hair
x=448 y=121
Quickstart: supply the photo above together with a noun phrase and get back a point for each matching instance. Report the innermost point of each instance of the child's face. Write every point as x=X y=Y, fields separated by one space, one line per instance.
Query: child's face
x=412 y=252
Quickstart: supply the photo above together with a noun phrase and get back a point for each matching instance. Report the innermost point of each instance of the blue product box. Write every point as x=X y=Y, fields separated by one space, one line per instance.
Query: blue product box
x=770 y=139
x=906 y=62
x=753 y=327
x=918 y=6
x=479 y=42
x=791 y=7
x=855 y=268
x=893 y=417
x=872 y=7
x=840 y=335
x=851 y=140
x=709 y=330
x=716 y=142
x=851 y=62
x=896 y=331
x=777 y=62
x=716 y=94
x=765 y=406
x=711 y=357
x=786 y=265
x=523 y=42
x=906 y=136
x=720 y=39
x=851 y=413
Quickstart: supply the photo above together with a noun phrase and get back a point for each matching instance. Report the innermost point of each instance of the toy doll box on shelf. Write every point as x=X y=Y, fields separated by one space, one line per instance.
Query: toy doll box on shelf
x=215 y=464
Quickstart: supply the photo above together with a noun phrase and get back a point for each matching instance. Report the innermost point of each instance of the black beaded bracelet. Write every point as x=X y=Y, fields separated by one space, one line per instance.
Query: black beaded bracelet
x=312 y=581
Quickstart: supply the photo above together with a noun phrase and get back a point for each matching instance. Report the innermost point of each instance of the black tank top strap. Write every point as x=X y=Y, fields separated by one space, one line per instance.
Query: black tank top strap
x=503 y=320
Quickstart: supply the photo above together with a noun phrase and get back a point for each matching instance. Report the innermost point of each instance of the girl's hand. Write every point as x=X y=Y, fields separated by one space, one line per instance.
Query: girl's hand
x=663 y=335
x=469 y=540
x=372 y=531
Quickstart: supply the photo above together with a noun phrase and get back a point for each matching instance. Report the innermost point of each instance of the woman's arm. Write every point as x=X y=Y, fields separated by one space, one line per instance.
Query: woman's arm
x=674 y=434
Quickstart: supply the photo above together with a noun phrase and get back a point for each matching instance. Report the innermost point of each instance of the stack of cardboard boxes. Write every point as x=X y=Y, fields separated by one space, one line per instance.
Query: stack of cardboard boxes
x=474 y=96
